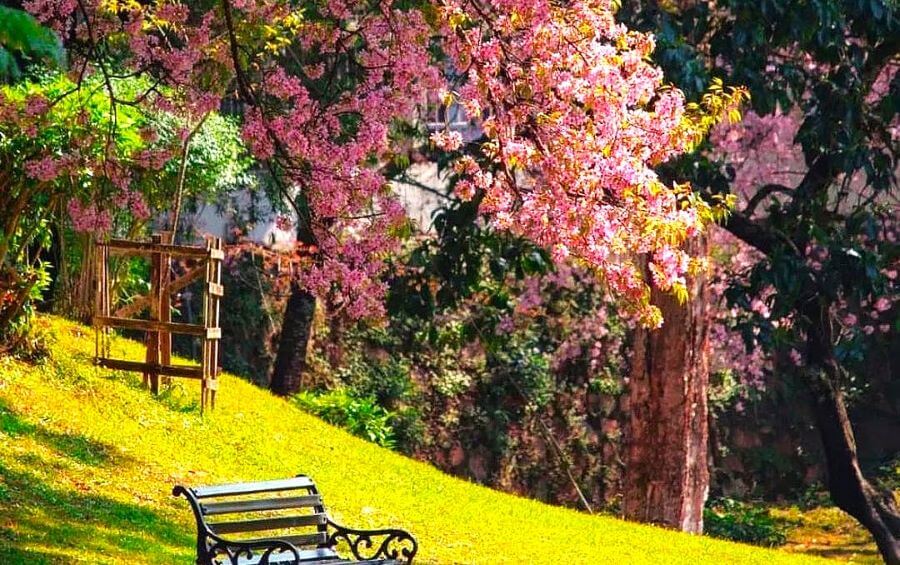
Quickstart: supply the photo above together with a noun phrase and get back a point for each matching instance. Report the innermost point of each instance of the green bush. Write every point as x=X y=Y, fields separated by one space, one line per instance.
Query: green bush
x=738 y=521
x=387 y=382
x=362 y=417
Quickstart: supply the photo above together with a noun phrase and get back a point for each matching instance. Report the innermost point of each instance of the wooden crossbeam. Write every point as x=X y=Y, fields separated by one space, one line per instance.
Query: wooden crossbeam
x=149 y=325
x=126 y=247
x=178 y=284
x=183 y=371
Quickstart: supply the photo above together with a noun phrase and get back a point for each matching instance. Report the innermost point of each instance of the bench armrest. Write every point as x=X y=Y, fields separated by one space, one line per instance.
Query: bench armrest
x=397 y=544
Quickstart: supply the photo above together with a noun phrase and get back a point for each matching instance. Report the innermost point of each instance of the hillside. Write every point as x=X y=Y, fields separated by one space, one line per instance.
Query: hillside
x=88 y=459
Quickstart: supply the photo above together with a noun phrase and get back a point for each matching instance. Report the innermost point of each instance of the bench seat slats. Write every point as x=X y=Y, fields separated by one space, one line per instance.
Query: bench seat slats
x=235 y=489
x=213 y=508
x=267 y=524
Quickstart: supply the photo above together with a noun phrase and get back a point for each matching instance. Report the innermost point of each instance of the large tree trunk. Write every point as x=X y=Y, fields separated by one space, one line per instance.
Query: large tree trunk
x=875 y=510
x=667 y=434
x=296 y=331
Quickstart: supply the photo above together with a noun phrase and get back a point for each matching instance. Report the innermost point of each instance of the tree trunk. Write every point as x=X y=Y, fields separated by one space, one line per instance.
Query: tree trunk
x=875 y=510
x=296 y=331
x=667 y=434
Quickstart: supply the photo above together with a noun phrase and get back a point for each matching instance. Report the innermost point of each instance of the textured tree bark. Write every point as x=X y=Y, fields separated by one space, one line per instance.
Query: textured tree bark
x=876 y=510
x=667 y=433
x=296 y=331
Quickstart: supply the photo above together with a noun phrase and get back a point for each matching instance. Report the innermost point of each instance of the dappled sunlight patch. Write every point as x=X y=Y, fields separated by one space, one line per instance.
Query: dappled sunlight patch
x=830 y=533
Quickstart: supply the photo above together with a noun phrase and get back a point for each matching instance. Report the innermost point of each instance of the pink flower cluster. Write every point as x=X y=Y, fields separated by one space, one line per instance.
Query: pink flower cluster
x=448 y=141
x=58 y=14
x=89 y=218
x=577 y=120
x=284 y=223
x=354 y=221
x=133 y=201
x=47 y=168
x=763 y=152
x=586 y=333
x=668 y=267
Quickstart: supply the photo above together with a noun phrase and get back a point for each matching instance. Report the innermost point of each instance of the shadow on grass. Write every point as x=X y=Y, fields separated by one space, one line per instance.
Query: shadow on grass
x=846 y=553
x=79 y=448
x=41 y=523
x=49 y=521
x=14 y=555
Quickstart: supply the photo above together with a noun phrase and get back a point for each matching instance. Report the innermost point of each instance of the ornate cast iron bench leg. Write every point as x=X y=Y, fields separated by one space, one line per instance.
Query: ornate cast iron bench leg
x=397 y=544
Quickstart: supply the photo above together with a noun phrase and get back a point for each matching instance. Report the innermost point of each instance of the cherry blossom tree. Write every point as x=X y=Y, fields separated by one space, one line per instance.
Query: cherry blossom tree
x=576 y=120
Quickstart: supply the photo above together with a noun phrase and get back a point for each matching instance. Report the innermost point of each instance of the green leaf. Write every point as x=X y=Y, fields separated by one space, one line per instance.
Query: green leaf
x=22 y=36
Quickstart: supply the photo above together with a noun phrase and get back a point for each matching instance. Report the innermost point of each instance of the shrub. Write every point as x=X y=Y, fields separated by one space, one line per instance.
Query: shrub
x=362 y=417
x=738 y=521
x=385 y=380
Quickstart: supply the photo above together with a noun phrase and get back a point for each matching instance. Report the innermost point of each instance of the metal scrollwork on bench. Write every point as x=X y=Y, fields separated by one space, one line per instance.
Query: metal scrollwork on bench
x=396 y=544
x=233 y=551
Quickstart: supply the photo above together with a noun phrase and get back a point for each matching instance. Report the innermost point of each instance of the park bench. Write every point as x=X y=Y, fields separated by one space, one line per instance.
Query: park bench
x=297 y=528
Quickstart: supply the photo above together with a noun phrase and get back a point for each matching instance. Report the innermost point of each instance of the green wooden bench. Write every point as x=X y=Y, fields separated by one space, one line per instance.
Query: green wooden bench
x=283 y=522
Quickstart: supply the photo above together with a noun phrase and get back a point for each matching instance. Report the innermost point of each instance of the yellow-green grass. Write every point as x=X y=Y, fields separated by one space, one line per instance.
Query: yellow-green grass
x=88 y=459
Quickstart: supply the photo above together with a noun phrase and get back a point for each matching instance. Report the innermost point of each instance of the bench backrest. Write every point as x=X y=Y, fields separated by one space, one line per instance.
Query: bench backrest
x=289 y=510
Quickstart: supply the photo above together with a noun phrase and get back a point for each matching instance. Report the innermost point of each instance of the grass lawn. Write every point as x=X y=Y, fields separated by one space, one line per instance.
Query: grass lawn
x=828 y=532
x=88 y=459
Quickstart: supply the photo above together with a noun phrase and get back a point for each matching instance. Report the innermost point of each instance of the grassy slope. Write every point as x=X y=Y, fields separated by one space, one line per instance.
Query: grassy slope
x=88 y=459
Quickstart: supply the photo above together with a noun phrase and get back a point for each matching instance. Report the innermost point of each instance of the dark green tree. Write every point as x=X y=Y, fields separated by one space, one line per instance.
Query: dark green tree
x=834 y=64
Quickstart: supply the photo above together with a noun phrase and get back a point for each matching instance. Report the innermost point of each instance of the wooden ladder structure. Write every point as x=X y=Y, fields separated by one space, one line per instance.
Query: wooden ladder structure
x=159 y=326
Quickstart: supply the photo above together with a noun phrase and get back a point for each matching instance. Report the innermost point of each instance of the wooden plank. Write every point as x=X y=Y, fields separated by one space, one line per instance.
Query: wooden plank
x=297 y=540
x=92 y=251
x=204 y=384
x=126 y=247
x=154 y=337
x=216 y=272
x=267 y=524
x=107 y=301
x=261 y=505
x=235 y=489
x=183 y=371
x=150 y=325
x=165 y=305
